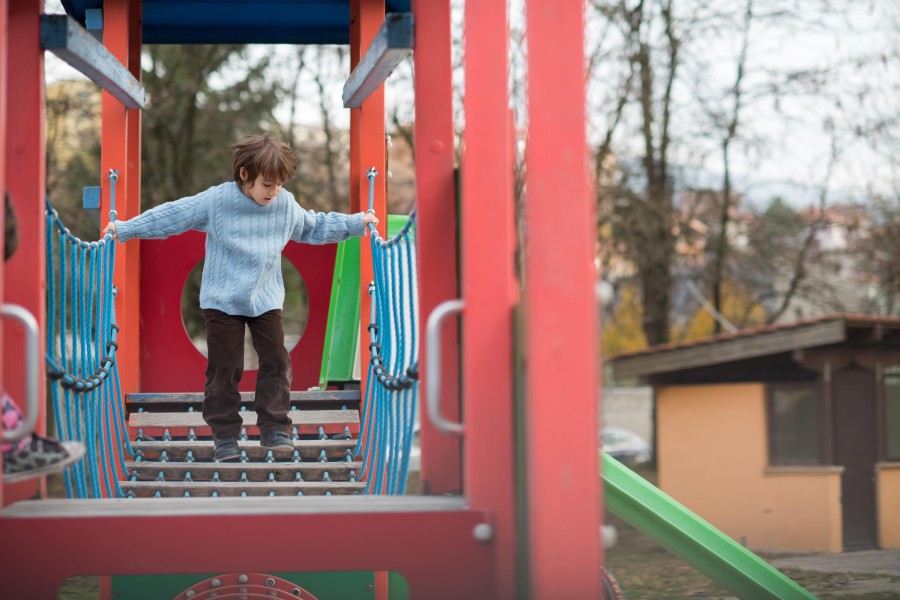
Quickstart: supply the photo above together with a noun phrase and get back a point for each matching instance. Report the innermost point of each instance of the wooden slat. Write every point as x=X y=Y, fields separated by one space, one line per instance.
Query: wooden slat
x=183 y=507
x=336 y=396
x=147 y=489
x=174 y=472
x=63 y=36
x=203 y=449
x=306 y=422
x=392 y=43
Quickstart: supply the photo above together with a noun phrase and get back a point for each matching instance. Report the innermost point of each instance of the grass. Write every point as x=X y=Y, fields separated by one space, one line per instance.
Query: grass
x=80 y=588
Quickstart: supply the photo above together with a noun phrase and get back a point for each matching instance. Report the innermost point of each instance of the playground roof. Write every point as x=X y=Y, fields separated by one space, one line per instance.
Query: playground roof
x=759 y=342
x=241 y=21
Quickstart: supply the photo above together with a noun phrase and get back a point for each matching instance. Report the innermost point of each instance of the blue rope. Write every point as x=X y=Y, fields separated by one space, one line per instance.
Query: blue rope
x=86 y=324
x=51 y=341
x=391 y=395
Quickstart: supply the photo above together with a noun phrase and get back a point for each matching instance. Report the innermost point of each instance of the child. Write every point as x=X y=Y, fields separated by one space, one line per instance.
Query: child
x=33 y=455
x=248 y=222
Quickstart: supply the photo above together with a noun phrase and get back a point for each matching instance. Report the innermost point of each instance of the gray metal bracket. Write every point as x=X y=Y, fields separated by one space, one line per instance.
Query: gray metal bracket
x=64 y=37
x=393 y=42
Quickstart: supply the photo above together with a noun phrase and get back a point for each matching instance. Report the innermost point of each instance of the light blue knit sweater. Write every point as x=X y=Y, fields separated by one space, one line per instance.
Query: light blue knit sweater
x=242 y=273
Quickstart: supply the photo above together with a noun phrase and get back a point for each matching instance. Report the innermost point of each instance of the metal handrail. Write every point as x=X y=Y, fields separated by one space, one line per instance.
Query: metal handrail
x=32 y=372
x=433 y=365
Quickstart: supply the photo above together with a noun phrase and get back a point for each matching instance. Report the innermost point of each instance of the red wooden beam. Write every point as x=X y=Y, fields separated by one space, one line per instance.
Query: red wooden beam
x=3 y=71
x=367 y=149
x=487 y=274
x=24 y=274
x=433 y=549
x=436 y=231
x=564 y=493
x=114 y=154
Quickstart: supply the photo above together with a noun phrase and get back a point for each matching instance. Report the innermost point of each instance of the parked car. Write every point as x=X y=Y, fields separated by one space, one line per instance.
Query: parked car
x=624 y=445
x=415 y=452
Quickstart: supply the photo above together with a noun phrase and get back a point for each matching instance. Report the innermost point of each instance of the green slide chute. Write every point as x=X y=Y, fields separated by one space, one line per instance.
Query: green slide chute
x=684 y=534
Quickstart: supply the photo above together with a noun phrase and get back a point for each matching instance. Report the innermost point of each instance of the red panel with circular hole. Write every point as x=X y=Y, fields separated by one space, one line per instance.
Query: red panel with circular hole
x=170 y=362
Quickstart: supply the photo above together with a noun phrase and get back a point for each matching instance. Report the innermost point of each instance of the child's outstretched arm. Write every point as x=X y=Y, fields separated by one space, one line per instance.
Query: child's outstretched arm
x=311 y=227
x=165 y=220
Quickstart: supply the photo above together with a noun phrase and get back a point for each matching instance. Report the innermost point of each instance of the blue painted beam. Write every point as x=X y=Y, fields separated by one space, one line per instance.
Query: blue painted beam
x=393 y=42
x=236 y=35
x=245 y=14
x=65 y=38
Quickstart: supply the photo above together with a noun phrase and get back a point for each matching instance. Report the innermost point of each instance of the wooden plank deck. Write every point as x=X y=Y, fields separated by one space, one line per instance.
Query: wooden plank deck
x=179 y=424
x=203 y=449
x=147 y=489
x=196 y=398
x=255 y=472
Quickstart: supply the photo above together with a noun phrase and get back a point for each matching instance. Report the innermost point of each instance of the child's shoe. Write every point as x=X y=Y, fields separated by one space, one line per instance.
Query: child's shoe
x=39 y=456
x=277 y=440
x=227 y=449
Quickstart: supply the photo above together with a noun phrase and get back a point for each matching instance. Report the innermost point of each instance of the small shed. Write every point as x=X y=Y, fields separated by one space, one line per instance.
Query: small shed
x=785 y=437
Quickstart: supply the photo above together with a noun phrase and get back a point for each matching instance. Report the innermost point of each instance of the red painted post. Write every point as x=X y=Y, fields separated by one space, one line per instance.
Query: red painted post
x=564 y=490
x=115 y=155
x=487 y=270
x=131 y=259
x=367 y=149
x=441 y=470
x=3 y=71
x=24 y=273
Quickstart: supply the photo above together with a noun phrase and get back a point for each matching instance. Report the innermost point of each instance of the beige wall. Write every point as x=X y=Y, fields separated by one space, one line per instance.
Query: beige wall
x=713 y=458
x=888 y=505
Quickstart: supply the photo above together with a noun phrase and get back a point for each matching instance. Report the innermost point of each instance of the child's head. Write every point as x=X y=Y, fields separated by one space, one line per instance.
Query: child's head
x=262 y=155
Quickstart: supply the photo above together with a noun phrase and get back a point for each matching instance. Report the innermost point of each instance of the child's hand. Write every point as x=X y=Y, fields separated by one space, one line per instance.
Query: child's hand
x=110 y=229
x=370 y=218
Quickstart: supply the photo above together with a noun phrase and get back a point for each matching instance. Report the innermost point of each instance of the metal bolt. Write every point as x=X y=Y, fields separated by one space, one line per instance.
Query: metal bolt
x=296 y=591
x=215 y=583
x=190 y=594
x=483 y=533
x=243 y=579
x=370 y=587
x=270 y=582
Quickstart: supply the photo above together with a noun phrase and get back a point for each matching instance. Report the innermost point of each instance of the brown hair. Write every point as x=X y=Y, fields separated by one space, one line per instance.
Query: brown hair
x=262 y=155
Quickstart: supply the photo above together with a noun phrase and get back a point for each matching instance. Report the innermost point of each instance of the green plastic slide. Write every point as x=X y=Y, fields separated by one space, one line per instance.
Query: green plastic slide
x=342 y=331
x=684 y=534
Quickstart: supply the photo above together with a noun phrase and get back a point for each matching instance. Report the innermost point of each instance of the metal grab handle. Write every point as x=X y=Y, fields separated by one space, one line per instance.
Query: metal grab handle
x=433 y=365
x=32 y=373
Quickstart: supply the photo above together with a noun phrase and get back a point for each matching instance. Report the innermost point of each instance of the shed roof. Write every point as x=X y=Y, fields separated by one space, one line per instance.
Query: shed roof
x=753 y=343
x=241 y=21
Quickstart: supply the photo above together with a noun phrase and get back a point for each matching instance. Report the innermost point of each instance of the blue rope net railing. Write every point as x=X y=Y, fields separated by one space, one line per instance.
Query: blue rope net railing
x=81 y=352
x=391 y=395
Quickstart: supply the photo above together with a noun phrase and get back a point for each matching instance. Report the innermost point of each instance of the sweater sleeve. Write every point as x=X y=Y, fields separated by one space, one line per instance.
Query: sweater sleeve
x=170 y=218
x=311 y=227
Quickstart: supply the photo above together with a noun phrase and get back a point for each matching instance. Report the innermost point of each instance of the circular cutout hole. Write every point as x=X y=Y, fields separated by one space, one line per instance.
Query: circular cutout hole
x=295 y=314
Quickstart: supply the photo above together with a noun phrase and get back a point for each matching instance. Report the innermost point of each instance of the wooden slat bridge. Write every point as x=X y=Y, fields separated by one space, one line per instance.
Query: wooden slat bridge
x=174 y=449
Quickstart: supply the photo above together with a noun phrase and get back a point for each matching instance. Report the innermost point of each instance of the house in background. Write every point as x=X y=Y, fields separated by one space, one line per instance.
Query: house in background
x=784 y=437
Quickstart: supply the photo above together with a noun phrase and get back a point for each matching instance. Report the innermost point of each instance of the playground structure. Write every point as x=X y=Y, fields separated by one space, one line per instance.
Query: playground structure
x=512 y=503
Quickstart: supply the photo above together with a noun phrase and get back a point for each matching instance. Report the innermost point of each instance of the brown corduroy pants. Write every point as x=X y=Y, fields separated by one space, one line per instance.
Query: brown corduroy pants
x=225 y=344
